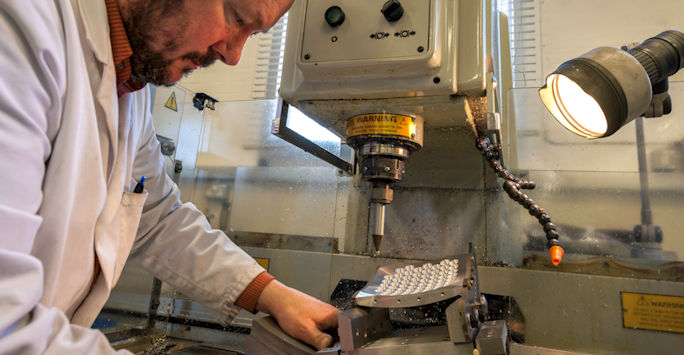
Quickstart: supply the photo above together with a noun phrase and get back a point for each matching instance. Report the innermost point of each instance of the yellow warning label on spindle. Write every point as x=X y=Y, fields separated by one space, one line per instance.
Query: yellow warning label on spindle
x=381 y=124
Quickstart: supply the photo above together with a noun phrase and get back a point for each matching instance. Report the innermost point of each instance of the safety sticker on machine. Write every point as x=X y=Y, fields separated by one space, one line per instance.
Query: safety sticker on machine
x=171 y=102
x=653 y=312
x=381 y=123
x=263 y=262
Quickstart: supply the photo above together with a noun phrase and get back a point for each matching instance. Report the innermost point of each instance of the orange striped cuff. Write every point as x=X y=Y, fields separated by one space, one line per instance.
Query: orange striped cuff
x=248 y=298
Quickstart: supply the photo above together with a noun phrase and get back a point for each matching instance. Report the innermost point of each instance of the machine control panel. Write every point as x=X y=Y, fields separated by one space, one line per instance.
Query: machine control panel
x=346 y=31
x=414 y=49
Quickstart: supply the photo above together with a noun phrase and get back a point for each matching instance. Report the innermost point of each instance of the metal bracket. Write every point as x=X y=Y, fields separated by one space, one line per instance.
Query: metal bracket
x=492 y=338
x=493 y=115
x=358 y=326
x=281 y=130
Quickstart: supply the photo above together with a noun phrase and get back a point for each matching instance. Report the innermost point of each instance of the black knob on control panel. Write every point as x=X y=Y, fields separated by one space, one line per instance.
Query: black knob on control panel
x=392 y=10
x=334 y=16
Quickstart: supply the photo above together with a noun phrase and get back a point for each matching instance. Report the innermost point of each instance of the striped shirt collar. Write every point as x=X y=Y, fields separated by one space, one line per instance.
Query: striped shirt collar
x=122 y=52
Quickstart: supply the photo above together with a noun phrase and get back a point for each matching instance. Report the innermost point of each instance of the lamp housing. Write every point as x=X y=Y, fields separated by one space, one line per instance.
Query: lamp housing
x=606 y=88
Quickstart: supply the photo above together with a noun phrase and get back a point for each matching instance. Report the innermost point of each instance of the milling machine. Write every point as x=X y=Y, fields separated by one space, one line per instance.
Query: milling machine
x=380 y=74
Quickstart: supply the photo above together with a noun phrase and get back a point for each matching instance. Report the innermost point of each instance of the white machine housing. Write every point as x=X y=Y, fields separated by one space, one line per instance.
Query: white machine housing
x=426 y=63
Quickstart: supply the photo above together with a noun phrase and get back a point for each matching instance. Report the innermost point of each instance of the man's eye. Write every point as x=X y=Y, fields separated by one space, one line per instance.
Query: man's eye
x=238 y=19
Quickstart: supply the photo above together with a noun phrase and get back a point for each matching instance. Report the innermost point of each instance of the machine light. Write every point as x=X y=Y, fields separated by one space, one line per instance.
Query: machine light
x=604 y=89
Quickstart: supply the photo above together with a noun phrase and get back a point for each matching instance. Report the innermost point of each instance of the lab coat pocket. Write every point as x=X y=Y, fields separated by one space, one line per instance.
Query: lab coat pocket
x=129 y=217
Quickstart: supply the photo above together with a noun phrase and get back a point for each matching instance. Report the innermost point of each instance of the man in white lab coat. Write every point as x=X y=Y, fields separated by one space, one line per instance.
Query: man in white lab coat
x=75 y=138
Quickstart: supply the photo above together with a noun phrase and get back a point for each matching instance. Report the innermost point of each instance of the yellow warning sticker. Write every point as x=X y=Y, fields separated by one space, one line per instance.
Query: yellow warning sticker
x=382 y=123
x=653 y=312
x=171 y=102
x=263 y=262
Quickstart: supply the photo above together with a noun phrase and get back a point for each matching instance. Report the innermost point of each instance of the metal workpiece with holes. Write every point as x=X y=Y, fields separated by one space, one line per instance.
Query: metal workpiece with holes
x=366 y=329
x=419 y=283
x=412 y=285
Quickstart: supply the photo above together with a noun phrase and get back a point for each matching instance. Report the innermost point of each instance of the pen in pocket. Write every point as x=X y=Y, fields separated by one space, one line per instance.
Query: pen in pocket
x=140 y=185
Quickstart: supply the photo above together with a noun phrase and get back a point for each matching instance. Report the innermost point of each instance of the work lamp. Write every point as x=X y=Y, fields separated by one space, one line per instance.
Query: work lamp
x=604 y=89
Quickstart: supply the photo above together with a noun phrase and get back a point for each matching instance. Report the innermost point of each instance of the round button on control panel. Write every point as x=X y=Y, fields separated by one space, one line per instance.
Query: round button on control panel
x=334 y=16
x=392 y=10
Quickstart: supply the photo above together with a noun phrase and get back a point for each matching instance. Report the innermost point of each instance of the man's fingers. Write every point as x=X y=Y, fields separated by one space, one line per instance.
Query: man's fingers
x=299 y=315
x=314 y=337
x=322 y=340
x=330 y=321
x=310 y=334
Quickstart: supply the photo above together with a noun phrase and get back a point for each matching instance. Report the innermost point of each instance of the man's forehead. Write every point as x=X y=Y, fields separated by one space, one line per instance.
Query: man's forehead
x=262 y=7
x=261 y=14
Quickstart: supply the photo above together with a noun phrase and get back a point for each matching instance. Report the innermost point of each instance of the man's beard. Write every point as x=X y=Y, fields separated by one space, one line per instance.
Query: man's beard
x=151 y=67
x=144 y=27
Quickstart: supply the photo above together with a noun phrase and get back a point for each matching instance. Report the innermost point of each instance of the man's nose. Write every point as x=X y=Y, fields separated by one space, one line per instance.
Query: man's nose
x=230 y=50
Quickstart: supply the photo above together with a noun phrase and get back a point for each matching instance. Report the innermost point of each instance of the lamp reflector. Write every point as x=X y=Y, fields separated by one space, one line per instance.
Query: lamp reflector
x=576 y=110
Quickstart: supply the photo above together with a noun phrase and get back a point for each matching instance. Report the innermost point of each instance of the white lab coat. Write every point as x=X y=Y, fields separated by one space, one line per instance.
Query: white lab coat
x=70 y=153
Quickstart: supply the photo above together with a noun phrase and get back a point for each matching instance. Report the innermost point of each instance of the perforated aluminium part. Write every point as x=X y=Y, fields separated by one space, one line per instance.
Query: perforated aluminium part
x=410 y=280
x=412 y=285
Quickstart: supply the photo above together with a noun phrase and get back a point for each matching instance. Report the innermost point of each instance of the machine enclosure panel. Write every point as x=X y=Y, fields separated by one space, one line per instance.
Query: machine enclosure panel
x=357 y=66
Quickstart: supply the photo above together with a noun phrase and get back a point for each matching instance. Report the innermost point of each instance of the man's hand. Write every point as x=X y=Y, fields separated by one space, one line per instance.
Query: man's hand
x=299 y=314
